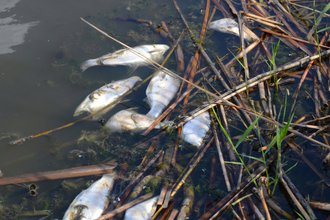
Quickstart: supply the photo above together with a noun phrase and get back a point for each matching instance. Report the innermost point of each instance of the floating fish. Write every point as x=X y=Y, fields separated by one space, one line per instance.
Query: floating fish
x=128 y=121
x=160 y=91
x=97 y=102
x=90 y=203
x=195 y=130
x=230 y=26
x=126 y=57
x=142 y=211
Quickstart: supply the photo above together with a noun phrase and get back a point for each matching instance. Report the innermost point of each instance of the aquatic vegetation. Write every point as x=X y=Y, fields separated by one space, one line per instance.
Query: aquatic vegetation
x=236 y=131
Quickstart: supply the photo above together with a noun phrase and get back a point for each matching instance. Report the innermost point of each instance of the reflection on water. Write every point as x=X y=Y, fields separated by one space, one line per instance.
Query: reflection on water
x=7 y=4
x=12 y=32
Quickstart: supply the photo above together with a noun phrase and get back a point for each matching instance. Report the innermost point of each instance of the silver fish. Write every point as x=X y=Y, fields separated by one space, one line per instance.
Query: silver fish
x=127 y=57
x=142 y=211
x=230 y=26
x=107 y=95
x=160 y=91
x=128 y=121
x=195 y=130
x=90 y=203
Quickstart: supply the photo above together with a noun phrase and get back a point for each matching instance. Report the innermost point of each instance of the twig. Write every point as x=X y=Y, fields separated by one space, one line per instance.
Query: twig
x=87 y=117
x=303 y=77
x=263 y=201
x=196 y=58
x=129 y=188
x=296 y=197
x=178 y=52
x=221 y=160
x=222 y=205
x=250 y=83
x=128 y=205
x=289 y=16
x=151 y=62
x=241 y=34
x=187 y=171
x=260 y=18
x=320 y=205
x=60 y=174
x=274 y=206
x=256 y=210
x=293 y=38
x=295 y=148
x=173 y=214
x=192 y=164
x=213 y=68
x=240 y=54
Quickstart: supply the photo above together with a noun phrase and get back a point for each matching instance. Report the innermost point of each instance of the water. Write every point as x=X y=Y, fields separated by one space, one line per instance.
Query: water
x=42 y=43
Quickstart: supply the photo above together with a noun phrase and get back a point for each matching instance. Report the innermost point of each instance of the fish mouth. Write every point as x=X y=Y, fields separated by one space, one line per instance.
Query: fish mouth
x=159 y=50
x=79 y=112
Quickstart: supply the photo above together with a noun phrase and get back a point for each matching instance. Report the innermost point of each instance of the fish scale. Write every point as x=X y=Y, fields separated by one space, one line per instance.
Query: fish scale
x=128 y=57
x=91 y=202
x=103 y=99
x=160 y=92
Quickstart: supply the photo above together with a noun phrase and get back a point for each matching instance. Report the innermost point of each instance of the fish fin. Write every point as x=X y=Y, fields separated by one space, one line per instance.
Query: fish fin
x=132 y=109
x=145 y=99
x=89 y=63
x=131 y=69
x=79 y=111
x=125 y=100
x=156 y=111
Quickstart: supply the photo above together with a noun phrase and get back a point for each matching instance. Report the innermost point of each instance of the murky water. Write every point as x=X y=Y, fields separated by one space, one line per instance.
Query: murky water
x=42 y=43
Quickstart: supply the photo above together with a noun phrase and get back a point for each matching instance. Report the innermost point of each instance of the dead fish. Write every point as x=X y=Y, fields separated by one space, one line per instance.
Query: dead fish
x=160 y=91
x=126 y=57
x=90 y=203
x=105 y=96
x=194 y=131
x=142 y=211
x=128 y=121
x=230 y=26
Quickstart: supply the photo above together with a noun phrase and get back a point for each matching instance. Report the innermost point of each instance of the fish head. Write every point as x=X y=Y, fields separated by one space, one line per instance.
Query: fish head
x=141 y=121
x=225 y=25
x=130 y=82
x=119 y=122
x=76 y=213
x=160 y=48
x=157 y=51
x=128 y=121
x=82 y=108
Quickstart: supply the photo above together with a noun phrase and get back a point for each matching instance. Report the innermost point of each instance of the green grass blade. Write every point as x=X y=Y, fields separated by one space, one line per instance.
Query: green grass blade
x=246 y=133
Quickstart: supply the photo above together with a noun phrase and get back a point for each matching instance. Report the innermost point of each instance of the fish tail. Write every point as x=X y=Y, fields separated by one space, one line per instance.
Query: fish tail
x=89 y=63
x=153 y=113
x=156 y=110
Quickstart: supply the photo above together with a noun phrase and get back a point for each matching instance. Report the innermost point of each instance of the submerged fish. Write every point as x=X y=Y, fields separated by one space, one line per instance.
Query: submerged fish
x=90 y=203
x=195 y=130
x=128 y=121
x=107 y=95
x=128 y=57
x=160 y=91
x=230 y=26
x=142 y=211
